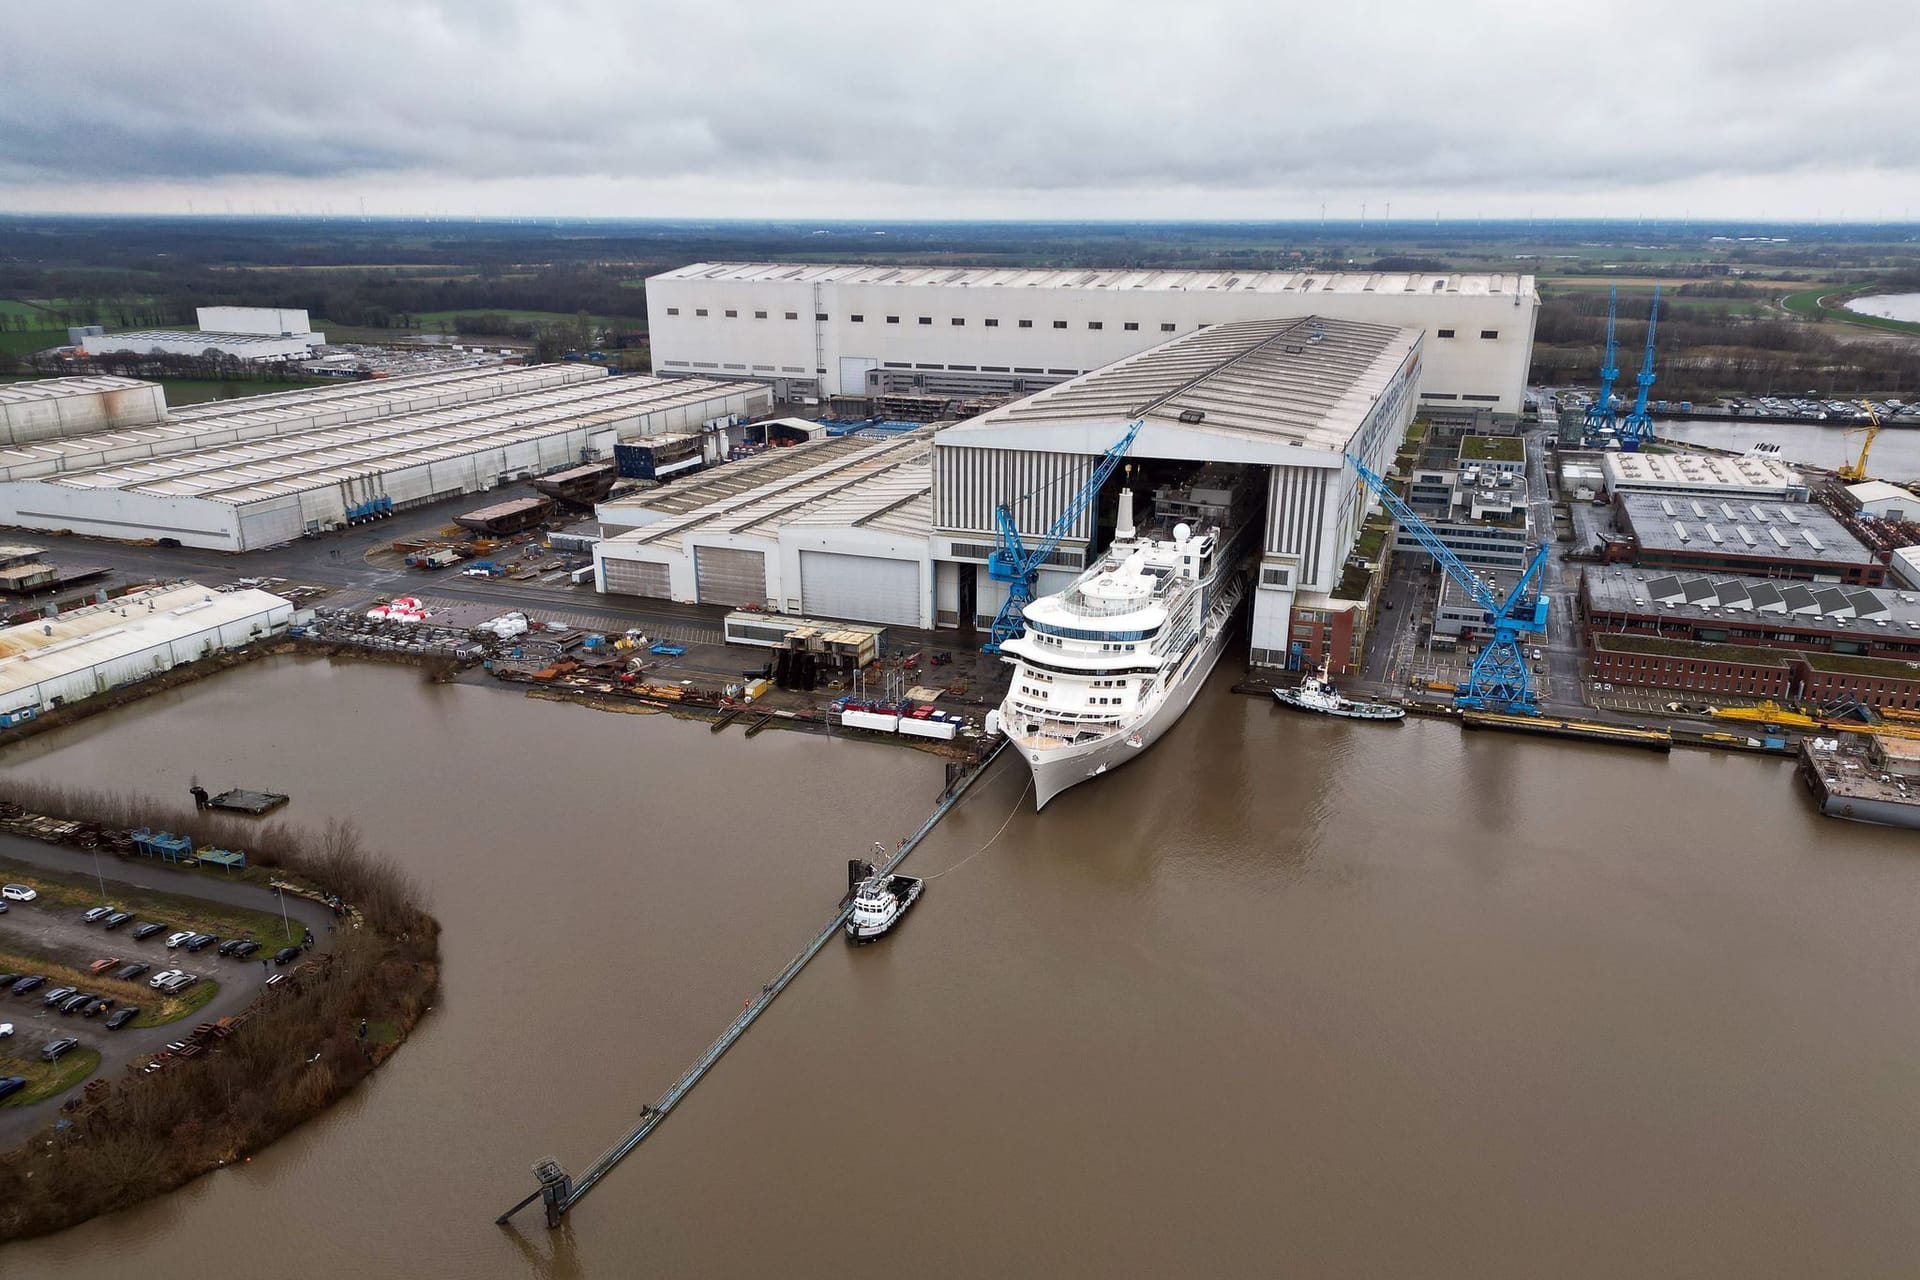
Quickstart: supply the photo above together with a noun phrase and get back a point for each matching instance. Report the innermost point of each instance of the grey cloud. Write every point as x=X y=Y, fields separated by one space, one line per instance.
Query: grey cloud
x=1052 y=97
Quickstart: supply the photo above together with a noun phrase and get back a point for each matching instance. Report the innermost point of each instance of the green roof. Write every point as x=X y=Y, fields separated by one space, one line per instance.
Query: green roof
x=1492 y=449
x=1696 y=651
x=1885 y=668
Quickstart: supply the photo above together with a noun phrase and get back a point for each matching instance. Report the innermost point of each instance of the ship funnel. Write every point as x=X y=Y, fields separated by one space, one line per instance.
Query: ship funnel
x=1123 y=525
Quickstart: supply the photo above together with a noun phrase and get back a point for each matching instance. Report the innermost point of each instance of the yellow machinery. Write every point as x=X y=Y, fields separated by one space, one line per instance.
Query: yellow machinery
x=1775 y=714
x=1854 y=472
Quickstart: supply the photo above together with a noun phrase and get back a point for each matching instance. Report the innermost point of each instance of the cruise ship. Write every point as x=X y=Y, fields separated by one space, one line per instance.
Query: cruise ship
x=1106 y=666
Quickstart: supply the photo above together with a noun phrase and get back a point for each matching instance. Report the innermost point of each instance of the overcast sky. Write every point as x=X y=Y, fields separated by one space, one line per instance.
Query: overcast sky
x=1036 y=108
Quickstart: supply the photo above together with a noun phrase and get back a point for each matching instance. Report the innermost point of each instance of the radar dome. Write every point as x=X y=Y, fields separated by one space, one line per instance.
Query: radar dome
x=1181 y=532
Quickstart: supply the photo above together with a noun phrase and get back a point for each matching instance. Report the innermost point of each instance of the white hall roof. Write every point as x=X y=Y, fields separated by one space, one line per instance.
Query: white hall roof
x=1471 y=284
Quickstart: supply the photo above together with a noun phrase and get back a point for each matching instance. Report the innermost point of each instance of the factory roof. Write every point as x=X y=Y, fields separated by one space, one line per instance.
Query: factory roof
x=62 y=388
x=730 y=480
x=253 y=470
x=885 y=486
x=1482 y=284
x=1699 y=470
x=1799 y=531
x=265 y=415
x=1877 y=491
x=1807 y=605
x=34 y=652
x=227 y=341
x=1305 y=381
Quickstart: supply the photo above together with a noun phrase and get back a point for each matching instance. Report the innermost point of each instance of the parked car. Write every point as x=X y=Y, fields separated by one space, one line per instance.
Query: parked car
x=3 y=908
x=286 y=955
x=56 y=995
x=97 y=914
x=159 y=979
x=128 y=972
x=8 y=979
x=54 y=1051
x=200 y=942
x=228 y=947
x=6 y=1029
x=74 y=1002
x=101 y=966
x=179 y=982
x=18 y=892
x=175 y=939
x=147 y=930
x=117 y=919
x=28 y=983
x=245 y=949
x=97 y=1006
x=123 y=1016
x=10 y=1085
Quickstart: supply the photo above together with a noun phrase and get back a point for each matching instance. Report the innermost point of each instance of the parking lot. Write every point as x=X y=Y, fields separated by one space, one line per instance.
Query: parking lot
x=49 y=932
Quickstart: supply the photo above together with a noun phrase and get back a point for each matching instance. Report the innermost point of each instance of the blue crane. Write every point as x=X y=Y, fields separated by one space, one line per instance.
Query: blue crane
x=1601 y=419
x=1638 y=426
x=1499 y=679
x=1016 y=564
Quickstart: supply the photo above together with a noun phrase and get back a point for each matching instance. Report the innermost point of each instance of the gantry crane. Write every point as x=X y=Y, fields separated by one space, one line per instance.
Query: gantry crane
x=1601 y=420
x=1854 y=472
x=1498 y=680
x=1016 y=564
x=1638 y=426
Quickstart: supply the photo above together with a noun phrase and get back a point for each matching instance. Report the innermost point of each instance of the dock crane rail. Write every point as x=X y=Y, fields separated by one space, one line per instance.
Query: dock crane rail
x=1498 y=679
x=1017 y=564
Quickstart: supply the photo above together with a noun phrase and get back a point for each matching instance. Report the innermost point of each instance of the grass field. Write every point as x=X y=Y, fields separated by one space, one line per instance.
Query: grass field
x=24 y=342
x=433 y=319
x=1828 y=302
x=45 y=1079
x=15 y=307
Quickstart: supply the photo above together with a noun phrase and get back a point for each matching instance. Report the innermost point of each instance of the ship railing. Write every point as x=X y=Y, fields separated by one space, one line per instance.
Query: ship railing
x=1090 y=607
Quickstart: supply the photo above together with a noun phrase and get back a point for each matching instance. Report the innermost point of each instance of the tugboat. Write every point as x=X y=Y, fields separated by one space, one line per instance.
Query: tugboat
x=1317 y=694
x=879 y=900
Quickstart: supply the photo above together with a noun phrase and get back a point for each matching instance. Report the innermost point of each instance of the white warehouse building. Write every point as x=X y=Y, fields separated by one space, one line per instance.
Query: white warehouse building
x=823 y=330
x=83 y=652
x=252 y=483
x=249 y=333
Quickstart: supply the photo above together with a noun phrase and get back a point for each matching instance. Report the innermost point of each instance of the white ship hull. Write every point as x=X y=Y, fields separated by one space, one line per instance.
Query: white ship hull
x=1056 y=767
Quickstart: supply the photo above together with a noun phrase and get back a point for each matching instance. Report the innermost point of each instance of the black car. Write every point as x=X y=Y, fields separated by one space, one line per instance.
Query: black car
x=128 y=972
x=230 y=946
x=122 y=1017
x=10 y=1085
x=73 y=1003
x=286 y=955
x=97 y=1006
x=53 y=1051
x=58 y=995
x=27 y=984
x=147 y=930
x=245 y=949
x=117 y=919
x=8 y=979
x=200 y=942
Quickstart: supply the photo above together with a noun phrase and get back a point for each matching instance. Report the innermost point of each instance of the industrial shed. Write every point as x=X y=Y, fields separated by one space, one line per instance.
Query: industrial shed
x=57 y=408
x=258 y=492
x=280 y=413
x=844 y=536
x=47 y=664
x=1285 y=400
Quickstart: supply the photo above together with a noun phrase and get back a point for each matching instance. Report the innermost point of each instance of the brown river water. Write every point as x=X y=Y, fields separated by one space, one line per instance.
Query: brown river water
x=1284 y=997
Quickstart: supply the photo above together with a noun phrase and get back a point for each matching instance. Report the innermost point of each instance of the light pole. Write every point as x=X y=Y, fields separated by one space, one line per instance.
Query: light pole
x=286 y=924
x=97 y=876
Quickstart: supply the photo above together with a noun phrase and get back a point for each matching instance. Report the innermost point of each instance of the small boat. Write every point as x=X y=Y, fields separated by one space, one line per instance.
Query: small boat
x=879 y=902
x=1317 y=694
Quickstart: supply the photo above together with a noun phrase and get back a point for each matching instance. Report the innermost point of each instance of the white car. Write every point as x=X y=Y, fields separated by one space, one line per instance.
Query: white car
x=6 y=1029
x=175 y=939
x=163 y=977
x=19 y=892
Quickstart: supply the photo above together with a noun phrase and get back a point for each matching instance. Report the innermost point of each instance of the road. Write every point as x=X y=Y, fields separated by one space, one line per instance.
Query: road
x=240 y=980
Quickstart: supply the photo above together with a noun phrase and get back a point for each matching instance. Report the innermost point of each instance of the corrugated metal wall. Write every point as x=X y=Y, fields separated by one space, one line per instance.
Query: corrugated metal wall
x=637 y=578
x=729 y=575
x=969 y=482
x=1296 y=517
x=864 y=588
